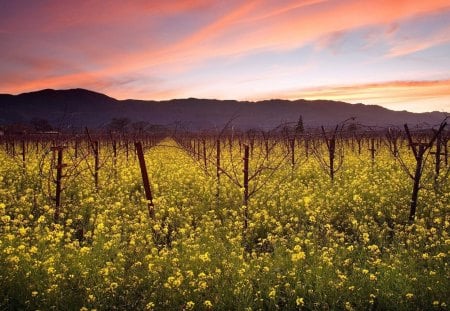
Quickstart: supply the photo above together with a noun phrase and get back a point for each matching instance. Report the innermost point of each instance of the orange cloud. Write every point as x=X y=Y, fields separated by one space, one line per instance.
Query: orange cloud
x=386 y=93
x=63 y=81
x=299 y=26
x=248 y=27
x=242 y=27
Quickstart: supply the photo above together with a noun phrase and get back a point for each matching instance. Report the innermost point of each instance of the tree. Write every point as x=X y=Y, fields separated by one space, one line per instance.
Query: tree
x=139 y=127
x=41 y=125
x=299 y=128
x=119 y=125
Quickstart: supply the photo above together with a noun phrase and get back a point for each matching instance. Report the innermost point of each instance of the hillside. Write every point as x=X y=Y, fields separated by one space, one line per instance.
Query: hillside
x=79 y=107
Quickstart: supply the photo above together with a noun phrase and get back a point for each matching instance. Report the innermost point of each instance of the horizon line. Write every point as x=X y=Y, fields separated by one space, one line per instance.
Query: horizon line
x=287 y=99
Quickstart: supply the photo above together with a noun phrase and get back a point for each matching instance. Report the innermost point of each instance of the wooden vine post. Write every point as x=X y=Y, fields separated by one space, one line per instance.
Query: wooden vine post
x=95 y=149
x=96 y=162
x=204 y=154
x=218 y=171
x=76 y=148
x=372 y=150
x=145 y=180
x=218 y=160
x=266 y=145
x=58 y=181
x=198 y=150
x=307 y=147
x=292 y=147
x=245 y=198
x=114 y=146
x=331 y=146
x=438 y=153
x=444 y=143
x=23 y=153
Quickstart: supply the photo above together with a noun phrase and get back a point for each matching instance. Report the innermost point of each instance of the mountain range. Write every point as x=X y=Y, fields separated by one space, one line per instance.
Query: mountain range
x=76 y=108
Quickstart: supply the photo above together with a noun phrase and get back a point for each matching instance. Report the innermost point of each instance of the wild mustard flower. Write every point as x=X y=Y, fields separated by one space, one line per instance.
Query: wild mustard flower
x=190 y=305
x=207 y=304
x=300 y=301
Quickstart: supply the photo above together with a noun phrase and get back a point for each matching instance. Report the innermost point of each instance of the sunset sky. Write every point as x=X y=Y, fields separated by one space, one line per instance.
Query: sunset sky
x=393 y=53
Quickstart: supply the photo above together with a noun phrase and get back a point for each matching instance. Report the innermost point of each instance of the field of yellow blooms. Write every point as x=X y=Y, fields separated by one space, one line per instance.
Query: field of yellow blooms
x=310 y=244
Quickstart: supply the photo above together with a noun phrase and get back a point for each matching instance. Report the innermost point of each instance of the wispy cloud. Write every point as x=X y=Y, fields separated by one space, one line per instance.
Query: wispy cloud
x=374 y=93
x=413 y=45
x=90 y=43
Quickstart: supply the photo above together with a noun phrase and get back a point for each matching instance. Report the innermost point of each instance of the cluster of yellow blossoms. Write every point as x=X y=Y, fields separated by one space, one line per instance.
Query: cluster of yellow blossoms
x=308 y=244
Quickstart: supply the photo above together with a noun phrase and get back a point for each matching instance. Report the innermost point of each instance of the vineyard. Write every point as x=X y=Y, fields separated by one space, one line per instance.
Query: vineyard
x=325 y=219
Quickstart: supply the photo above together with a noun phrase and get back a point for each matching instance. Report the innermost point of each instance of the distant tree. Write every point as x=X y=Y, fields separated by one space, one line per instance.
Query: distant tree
x=299 y=128
x=119 y=125
x=156 y=128
x=40 y=125
x=18 y=128
x=139 y=127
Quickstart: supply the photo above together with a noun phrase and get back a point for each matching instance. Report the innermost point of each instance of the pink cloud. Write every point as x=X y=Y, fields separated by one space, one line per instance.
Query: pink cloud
x=236 y=29
x=53 y=15
x=247 y=27
x=375 y=93
x=413 y=45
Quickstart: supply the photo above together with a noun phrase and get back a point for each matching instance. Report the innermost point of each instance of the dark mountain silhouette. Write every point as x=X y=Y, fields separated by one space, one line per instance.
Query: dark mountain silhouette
x=78 y=108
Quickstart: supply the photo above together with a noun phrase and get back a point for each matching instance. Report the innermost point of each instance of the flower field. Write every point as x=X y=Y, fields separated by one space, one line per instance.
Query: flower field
x=301 y=242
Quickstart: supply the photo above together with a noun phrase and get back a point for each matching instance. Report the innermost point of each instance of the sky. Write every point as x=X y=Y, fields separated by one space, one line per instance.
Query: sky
x=393 y=53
